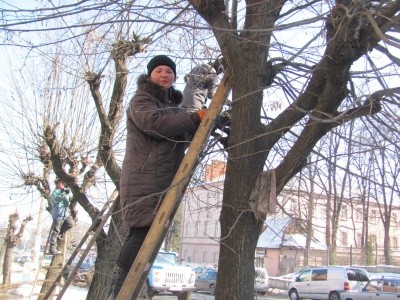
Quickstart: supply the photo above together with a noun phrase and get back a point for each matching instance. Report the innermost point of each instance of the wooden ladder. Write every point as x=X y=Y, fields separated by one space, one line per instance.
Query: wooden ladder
x=50 y=268
x=92 y=233
x=151 y=245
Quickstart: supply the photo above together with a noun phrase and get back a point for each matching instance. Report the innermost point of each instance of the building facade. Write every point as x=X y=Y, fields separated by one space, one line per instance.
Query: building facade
x=281 y=245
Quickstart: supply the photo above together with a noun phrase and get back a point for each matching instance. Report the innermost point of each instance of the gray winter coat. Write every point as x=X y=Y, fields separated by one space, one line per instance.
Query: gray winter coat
x=156 y=140
x=200 y=85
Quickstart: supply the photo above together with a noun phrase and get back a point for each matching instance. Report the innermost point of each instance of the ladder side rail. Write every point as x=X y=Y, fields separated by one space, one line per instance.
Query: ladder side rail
x=36 y=276
x=78 y=248
x=89 y=245
x=45 y=250
x=74 y=271
x=151 y=245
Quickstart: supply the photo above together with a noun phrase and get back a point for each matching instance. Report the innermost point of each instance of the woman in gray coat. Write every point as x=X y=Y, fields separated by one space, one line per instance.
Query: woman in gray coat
x=156 y=140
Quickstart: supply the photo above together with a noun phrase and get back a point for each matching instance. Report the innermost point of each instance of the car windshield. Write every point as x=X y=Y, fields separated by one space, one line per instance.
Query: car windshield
x=169 y=258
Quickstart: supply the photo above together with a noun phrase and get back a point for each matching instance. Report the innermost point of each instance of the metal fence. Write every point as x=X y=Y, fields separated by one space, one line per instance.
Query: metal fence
x=345 y=256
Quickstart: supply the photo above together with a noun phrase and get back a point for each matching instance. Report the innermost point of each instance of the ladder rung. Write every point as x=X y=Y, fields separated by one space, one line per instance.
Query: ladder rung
x=45 y=280
x=51 y=267
x=91 y=232
x=80 y=249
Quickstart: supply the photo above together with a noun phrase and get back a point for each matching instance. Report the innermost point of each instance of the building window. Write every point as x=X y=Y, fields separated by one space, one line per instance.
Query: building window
x=218 y=196
x=190 y=203
x=293 y=205
x=394 y=217
x=207 y=228
x=372 y=240
x=343 y=238
x=260 y=262
x=343 y=212
x=359 y=215
x=394 y=244
x=217 y=229
x=198 y=200
x=210 y=197
x=196 y=234
x=373 y=216
x=359 y=239
x=187 y=230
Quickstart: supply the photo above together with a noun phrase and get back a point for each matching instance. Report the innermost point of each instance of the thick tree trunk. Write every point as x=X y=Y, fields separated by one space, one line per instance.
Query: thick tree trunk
x=240 y=228
x=12 y=239
x=7 y=264
x=107 y=253
x=386 y=242
x=2 y=254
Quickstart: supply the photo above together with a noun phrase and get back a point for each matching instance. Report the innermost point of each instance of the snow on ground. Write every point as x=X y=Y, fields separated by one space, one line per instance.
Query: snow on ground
x=274 y=291
x=26 y=276
x=73 y=292
x=377 y=275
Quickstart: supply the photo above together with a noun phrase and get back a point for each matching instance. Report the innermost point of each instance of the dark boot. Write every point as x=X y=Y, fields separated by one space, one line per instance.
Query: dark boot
x=53 y=244
x=55 y=233
x=116 y=283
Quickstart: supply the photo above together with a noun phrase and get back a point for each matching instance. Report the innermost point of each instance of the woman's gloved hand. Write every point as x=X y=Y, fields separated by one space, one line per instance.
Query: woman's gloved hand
x=201 y=113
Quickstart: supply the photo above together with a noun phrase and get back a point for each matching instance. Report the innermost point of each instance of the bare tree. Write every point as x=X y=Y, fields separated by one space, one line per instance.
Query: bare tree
x=385 y=191
x=251 y=141
x=65 y=141
x=316 y=79
x=12 y=239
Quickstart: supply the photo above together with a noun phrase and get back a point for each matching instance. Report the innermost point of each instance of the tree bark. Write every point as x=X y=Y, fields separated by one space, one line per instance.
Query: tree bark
x=12 y=239
x=7 y=265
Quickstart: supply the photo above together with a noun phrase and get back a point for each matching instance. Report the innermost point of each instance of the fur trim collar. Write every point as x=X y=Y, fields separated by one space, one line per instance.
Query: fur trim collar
x=172 y=95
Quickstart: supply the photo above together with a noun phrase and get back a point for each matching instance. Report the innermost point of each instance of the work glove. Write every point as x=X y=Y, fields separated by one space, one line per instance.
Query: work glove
x=67 y=190
x=201 y=113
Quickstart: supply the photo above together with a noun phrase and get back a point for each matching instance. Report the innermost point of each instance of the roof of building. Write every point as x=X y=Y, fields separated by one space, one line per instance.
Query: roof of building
x=274 y=236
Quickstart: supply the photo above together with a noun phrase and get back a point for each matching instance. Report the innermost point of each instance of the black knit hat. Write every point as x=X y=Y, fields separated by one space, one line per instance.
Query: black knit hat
x=160 y=60
x=58 y=180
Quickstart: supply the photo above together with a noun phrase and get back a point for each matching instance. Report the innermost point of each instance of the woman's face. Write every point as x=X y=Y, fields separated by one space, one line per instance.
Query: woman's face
x=163 y=75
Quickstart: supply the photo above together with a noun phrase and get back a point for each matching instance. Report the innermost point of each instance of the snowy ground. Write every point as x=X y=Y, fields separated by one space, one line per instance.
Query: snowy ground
x=26 y=276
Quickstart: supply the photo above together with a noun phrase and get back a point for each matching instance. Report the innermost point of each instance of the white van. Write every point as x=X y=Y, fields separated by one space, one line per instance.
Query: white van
x=261 y=281
x=325 y=282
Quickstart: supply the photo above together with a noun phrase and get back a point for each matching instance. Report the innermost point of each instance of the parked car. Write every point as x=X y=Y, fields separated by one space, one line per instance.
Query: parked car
x=200 y=270
x=206 y=282
x=261 y=281
x=326 y=283
x=85 y=266
x=385 y=288
x=47 y=260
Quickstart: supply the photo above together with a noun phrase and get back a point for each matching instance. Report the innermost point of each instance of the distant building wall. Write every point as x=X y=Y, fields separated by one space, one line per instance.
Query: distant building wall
x=200 y=232
x=272 y=261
